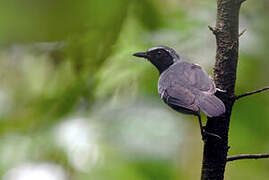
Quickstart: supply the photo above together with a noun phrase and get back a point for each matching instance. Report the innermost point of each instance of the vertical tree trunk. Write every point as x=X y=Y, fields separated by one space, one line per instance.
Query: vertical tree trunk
x=226 y=32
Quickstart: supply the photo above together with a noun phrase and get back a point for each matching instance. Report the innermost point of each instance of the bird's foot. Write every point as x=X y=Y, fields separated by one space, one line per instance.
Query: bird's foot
x=206 y=134
x=220 y=90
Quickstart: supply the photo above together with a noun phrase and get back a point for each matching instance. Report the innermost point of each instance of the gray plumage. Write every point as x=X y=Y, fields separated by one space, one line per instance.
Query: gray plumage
x=184 y=86
x=188 y=86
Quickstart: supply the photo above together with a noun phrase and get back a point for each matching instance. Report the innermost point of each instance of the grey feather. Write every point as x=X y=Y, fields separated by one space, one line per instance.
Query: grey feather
x=210 y=105
x=188 y=86
x=190 y=76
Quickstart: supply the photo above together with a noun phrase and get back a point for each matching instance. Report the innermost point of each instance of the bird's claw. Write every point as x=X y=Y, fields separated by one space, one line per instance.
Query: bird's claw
x=205 y=134
x=220 y=90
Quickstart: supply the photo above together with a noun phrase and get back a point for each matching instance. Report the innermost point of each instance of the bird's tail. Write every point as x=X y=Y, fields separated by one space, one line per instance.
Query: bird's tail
x=211 y=105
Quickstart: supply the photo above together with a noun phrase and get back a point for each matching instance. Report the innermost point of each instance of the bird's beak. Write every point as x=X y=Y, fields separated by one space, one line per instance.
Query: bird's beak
x=141 y=54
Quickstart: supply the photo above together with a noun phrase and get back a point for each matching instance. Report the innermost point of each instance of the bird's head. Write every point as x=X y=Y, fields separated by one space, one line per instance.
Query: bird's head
x=161 y=57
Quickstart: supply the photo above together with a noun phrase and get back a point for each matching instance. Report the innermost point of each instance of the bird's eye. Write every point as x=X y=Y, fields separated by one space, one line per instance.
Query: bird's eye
x=159 y=52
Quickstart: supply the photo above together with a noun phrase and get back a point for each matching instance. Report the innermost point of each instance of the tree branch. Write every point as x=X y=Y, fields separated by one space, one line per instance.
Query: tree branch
x=227 y=25
x=247 y=156
x=240 y=34
x=241 y=1
x=227 y=41
x=251 y=92
x=213 y=29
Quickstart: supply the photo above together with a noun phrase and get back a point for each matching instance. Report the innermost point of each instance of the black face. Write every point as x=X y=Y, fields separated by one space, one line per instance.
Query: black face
x=159 y=57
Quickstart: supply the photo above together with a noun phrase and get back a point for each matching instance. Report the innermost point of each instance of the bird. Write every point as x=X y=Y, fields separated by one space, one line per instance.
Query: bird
x=184 y=86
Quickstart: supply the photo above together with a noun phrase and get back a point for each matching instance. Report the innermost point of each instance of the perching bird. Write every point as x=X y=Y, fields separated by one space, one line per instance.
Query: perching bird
x=184 y=86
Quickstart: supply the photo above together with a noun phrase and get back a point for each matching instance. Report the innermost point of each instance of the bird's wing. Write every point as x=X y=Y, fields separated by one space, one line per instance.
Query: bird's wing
x=192 y=77
x=175 y=94
x=178 y=95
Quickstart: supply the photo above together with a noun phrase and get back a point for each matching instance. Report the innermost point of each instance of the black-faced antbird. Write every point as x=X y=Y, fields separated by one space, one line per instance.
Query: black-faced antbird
x=184 y=86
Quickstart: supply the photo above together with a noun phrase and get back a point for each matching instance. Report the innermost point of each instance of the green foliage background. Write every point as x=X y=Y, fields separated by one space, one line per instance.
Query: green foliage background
x=72 y=95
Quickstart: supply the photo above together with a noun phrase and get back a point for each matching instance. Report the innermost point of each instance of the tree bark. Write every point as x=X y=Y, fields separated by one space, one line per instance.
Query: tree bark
x=226 y=32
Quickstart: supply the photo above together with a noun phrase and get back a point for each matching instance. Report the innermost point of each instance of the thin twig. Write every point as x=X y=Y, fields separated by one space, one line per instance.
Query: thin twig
x=214 y=31
x=247 y=156
x=240 y=34
x=252 y=92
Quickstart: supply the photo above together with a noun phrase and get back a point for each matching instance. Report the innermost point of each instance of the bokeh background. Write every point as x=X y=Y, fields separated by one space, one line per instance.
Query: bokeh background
x=75 y=104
